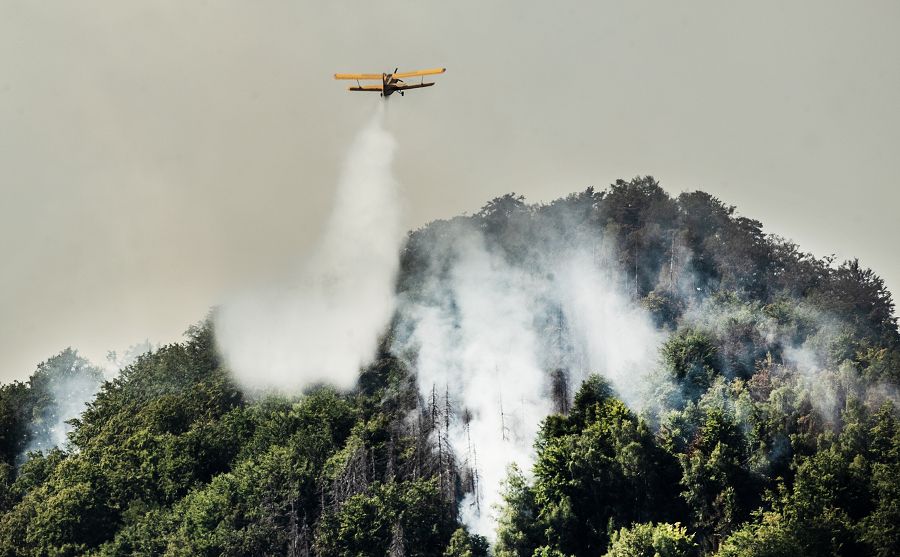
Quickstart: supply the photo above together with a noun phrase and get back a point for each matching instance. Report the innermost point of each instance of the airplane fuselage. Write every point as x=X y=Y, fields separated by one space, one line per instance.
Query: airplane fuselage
x=389 y=84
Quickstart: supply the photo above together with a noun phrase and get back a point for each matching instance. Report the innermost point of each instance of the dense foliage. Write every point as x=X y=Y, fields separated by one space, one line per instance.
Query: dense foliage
x=770 y=429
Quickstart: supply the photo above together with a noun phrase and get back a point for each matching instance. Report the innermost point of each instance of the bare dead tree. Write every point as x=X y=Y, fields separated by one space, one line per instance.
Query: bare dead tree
x=467 y=420
x=389 y=470
x=298 y=544
x=469 y=468
x=636 y=286
x=559 y=390
x=396 y=548
x=434 y=407
x=672 y=262
x=294 y=532
x=420 y=438
x=352 y=479
x=504 y=431
x=303 y=545
x=449 y=468
x=447 y=411
x=561 y=350
x=415 y=429
x=476 y=483
x=435 y=424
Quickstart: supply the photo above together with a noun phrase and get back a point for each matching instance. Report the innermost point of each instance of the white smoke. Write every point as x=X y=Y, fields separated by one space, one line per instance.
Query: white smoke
x=325 y=325
x=63 y=385
x=478 y=342
x=69 y=397
x=490 y=332
x=617 y=337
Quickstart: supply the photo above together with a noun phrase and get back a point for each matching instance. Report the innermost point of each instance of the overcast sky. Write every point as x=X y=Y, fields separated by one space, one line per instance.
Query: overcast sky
x=156 y=156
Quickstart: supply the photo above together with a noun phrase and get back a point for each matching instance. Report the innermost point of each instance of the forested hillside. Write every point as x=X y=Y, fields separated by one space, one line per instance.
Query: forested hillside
x=765 y=425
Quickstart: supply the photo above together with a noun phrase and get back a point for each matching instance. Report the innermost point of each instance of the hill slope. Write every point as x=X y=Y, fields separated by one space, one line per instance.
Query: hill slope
x=680 y=382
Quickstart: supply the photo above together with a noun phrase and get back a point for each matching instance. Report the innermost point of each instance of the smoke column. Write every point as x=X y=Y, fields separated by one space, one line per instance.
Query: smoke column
x=477 y=341
x=325 y=324
x=489 y=332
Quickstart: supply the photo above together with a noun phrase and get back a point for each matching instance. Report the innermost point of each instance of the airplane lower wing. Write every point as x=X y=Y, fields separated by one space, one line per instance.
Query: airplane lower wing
x=366 y=88
x=412 y=86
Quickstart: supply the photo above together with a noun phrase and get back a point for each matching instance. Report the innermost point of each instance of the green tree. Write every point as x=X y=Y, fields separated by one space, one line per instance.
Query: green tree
x=463 y=544
x=718 y=486
x=409 y=514
x=768 y=536
x=652 y=540
x=518 y=527
x=692 y=358
x=597 y=470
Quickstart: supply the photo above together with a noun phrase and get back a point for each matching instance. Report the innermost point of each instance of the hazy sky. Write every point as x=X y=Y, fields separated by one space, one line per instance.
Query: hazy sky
x=156 y=156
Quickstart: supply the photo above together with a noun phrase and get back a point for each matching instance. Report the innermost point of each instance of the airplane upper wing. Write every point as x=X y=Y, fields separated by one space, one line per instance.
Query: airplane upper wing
x=432 y=71
x=365 y=88
x=357 y=76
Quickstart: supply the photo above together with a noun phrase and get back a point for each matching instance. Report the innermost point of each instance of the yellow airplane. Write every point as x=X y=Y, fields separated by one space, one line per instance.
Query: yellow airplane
x=390 y=82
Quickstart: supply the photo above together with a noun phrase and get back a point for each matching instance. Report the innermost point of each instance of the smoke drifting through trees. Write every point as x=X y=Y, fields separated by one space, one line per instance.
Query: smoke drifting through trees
x=61 y=387
x=506 y=312
x=486 y=329
x=506 y=335
x=323 y=324
x=767 y=415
